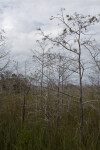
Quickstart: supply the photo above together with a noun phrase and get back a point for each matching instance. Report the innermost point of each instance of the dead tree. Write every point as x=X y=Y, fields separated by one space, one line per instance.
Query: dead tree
x=40 y=57
x=4 y=55
x=74 y=39
x=94 y=51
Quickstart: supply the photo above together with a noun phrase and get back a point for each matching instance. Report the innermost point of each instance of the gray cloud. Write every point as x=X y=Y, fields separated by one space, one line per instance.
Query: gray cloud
x=21 y=18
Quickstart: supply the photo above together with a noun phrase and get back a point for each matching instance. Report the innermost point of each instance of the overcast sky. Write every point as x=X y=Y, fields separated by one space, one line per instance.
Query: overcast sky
x=21 y=18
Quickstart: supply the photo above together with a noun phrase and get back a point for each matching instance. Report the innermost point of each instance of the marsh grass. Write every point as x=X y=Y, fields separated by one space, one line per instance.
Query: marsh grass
x=37 y=134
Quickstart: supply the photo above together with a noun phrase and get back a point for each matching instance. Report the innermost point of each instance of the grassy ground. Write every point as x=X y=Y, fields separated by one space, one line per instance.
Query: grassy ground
x=36 y=133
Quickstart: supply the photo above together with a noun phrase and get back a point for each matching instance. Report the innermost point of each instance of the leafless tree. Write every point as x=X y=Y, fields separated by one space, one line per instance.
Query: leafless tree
x=74 y=39
x=4 y=54
x=94 y=51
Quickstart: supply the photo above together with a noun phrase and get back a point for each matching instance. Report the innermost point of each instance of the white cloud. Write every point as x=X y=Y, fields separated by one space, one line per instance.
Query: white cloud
x=21 y=18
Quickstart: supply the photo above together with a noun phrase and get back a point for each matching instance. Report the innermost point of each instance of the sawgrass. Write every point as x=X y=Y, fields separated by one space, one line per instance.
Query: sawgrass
x=37 y=134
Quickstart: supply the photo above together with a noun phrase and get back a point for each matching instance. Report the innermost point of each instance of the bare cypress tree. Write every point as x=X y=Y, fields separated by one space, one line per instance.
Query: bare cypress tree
x=94 y=51
x=40 y=56
x=4 y=56
x=74 y=39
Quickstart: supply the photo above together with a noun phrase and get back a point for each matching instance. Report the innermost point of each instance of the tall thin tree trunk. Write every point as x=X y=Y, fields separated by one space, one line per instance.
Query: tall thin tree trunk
x=81 y=98
x=24 y=100
x=42 y=71
x=36 y=100
x=99 y=112
x=62 y=92
x=58 y=107
x=99 y=105
x=58 y=99
x=41 y=94
x=23 y=112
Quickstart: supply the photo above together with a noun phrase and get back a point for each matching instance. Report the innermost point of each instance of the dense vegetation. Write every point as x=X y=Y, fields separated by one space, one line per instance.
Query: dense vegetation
x=45 y=109
x=37 y=132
